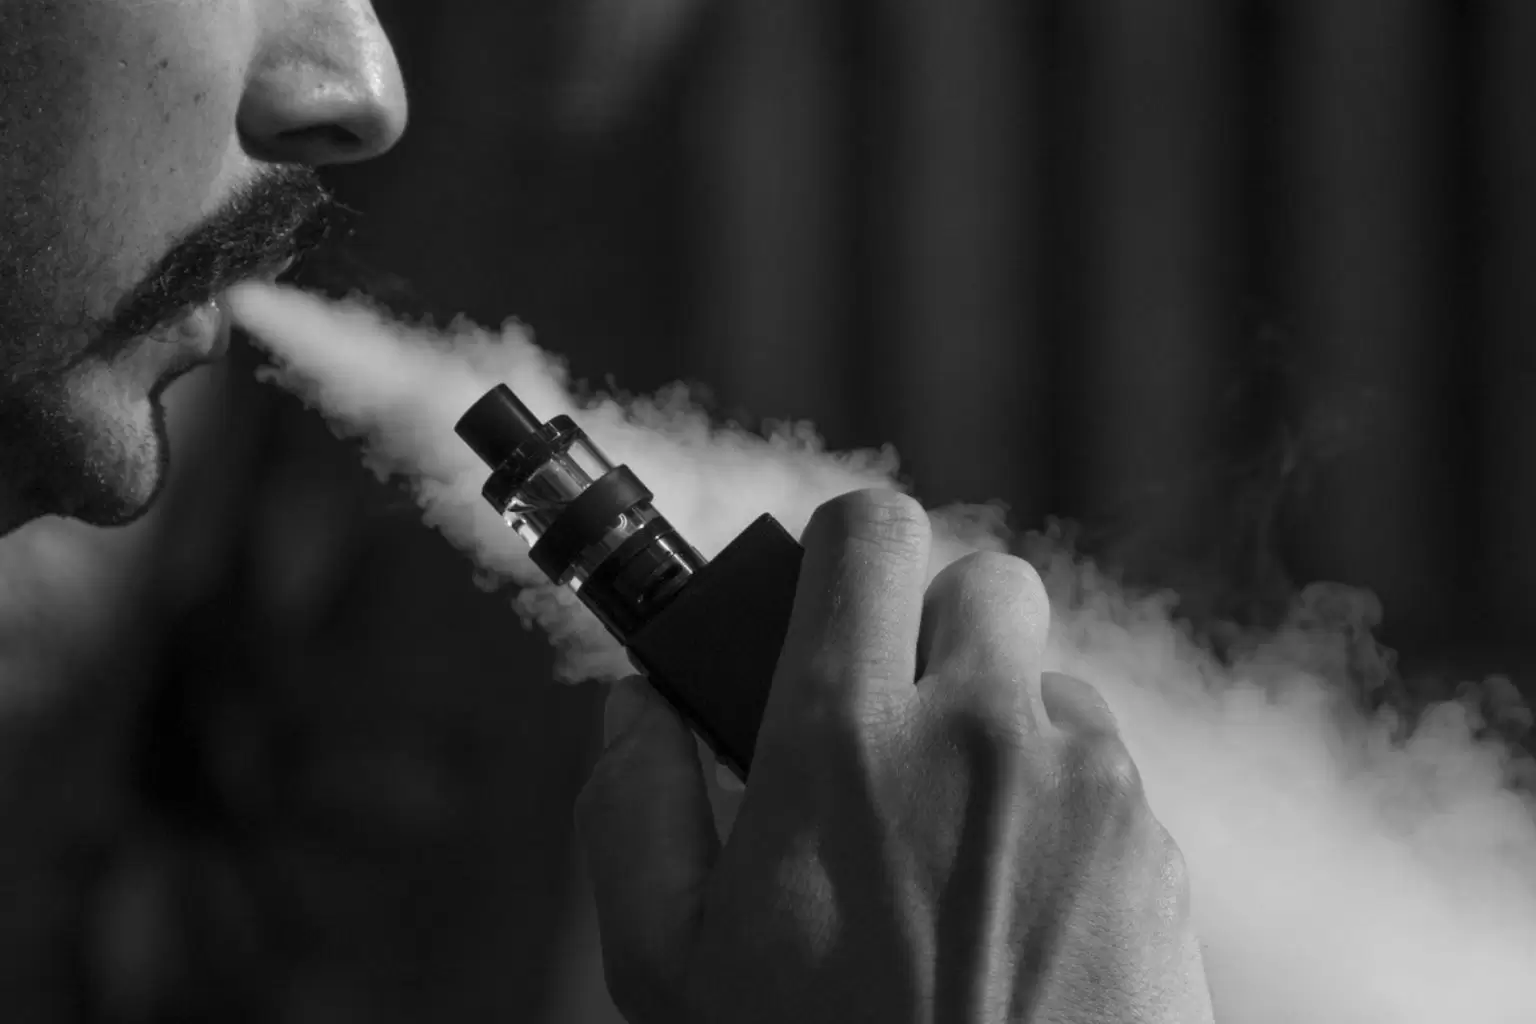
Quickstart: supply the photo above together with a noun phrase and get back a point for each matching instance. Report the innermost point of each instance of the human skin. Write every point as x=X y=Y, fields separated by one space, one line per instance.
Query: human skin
x=934 y=832
x=153 y=152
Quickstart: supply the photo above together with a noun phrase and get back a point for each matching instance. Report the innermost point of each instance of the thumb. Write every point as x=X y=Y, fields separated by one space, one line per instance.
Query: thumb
x=645 y=827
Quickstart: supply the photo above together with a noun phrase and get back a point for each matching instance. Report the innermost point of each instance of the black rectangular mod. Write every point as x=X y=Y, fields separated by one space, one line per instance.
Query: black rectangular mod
x=706 y=633
x=712 y=651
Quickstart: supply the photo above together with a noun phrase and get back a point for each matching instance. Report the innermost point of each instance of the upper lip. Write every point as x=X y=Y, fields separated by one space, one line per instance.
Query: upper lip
x=276 y=268
x=265 y=272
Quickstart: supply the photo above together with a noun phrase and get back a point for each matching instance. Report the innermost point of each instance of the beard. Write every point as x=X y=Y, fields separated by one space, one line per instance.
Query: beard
x=72 y=447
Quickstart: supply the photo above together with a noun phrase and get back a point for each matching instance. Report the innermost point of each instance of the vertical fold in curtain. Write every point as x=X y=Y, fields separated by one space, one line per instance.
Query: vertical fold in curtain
x=1159 y=179
x=1365 y=161
x=956 y=287
x=767 y=142
x=1507 y=159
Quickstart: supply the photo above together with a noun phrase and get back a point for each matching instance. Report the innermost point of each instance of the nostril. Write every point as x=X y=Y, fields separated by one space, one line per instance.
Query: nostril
x=322 y=136
x=319 y=142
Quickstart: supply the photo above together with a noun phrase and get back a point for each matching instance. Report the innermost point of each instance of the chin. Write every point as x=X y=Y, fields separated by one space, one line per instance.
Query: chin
x=115 y=457
x=91 y=444
x=105 y=504
x=120 y=488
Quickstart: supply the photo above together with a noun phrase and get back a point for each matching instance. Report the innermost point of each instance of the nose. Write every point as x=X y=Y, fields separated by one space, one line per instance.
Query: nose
x=325 y=87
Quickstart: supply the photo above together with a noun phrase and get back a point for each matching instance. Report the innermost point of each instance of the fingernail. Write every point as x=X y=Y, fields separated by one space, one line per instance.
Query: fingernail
x=626 y=702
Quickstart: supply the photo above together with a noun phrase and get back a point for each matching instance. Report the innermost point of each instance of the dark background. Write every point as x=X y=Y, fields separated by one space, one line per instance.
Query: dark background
x=1111 y=261
x=1240 y=287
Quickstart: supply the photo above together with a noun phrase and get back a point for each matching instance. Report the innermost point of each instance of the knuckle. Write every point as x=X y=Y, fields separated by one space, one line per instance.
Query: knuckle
x=861 y=664
x=1109 y=773
x=981 y=579
x=985 y=568
x=892 y=522
x=1175 y=874
x=879 y=722
x=1168 y=873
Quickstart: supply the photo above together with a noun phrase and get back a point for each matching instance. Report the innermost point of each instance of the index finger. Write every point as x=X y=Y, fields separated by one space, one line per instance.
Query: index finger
x=858 y=604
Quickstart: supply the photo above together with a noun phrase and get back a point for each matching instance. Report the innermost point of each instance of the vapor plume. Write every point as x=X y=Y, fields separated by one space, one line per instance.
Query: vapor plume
x=1346 y=867
x=401 y=389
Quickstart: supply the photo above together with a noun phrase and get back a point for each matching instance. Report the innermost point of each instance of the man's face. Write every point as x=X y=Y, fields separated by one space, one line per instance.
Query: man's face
x=152 y=152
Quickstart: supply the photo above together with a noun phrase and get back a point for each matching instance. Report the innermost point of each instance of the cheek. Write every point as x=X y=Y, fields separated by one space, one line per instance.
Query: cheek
x=141 y=135
x=44 y=94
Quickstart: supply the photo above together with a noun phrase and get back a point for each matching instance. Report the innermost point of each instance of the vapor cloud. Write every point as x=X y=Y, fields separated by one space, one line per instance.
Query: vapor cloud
x=1346 y=869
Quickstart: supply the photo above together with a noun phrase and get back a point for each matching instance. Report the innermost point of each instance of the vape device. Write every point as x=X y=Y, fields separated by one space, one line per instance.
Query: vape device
x=707 y=634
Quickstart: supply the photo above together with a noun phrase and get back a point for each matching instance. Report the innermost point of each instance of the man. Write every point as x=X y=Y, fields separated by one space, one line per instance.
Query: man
x=933 y=832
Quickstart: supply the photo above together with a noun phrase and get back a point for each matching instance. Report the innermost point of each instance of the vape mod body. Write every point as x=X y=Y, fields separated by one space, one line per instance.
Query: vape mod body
x=706 y=633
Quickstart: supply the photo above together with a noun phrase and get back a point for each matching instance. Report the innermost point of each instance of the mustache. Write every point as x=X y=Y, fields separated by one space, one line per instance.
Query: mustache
x=281 y=216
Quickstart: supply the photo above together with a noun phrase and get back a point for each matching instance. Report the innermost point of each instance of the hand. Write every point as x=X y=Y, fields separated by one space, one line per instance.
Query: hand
x=971 y=847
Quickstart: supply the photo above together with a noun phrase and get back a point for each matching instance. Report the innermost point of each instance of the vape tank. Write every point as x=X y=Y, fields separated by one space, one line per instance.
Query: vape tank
x=707 y=634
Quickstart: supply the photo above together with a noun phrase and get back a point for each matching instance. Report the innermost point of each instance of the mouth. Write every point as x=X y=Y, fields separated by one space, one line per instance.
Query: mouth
x=272 y=271
x=203 y=330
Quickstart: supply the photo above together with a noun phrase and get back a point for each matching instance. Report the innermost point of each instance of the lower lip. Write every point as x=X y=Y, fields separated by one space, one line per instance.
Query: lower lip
x=205 y=328
x=221 y=337
x=199 y=329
